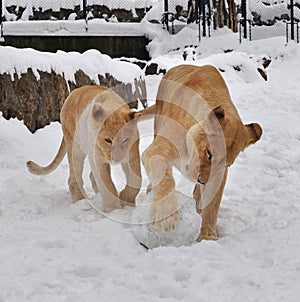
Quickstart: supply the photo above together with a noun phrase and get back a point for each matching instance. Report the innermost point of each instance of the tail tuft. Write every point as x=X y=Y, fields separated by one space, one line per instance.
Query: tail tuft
x=34 y=168
x=38 y=170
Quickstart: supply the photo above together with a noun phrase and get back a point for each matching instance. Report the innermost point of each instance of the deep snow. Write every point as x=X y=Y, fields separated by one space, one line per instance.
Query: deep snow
x=53 y=250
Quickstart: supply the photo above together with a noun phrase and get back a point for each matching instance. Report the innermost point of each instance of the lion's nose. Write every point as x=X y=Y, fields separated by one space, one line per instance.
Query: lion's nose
x=117 y=154
x=200 y=181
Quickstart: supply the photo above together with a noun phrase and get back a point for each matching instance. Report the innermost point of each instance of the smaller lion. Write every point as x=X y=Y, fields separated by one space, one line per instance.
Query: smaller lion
x=98 y=124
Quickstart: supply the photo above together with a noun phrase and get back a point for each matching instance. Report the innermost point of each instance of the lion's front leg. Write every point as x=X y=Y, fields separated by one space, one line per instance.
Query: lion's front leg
x=197 y=197
x=132 y=170
x=164 y=209
x=93 y=182
x=210 y=208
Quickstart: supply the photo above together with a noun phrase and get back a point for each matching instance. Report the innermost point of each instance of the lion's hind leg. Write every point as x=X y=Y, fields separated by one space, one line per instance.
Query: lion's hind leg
x=76 y=162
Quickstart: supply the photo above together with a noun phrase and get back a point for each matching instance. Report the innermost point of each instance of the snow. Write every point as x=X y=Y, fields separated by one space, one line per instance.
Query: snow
x=185 y=233
x=91 y=62
x=53 y=250
x=95 y=27
x=268 y=10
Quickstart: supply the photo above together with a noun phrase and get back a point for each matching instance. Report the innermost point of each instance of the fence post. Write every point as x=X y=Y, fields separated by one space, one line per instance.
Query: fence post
x=84 y=10
x=1 y=18
x=203 y=2
x=292 y=20
x=244 y=17
x=166 y=15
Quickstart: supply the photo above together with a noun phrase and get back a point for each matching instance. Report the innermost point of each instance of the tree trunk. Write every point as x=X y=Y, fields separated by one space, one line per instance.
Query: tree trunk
x=222 y=12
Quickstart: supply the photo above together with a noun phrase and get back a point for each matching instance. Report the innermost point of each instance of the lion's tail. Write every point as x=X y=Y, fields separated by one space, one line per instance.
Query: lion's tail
x=38 y=170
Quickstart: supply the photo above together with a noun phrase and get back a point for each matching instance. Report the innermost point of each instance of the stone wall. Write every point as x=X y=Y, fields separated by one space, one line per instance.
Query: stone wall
x=38 y=101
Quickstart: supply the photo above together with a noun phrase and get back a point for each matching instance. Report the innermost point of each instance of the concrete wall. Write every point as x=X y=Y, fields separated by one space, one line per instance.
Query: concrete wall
x=113 y=46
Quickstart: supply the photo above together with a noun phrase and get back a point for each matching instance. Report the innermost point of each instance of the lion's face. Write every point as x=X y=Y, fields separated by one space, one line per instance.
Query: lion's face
x=117 y=133
x=206 y=153
x=212 y=145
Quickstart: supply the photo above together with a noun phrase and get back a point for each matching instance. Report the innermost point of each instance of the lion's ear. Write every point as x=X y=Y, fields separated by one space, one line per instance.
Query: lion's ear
x=98 y=111
x=213 y=120
x=189 y=141
x=254 y=133
x=218 y=112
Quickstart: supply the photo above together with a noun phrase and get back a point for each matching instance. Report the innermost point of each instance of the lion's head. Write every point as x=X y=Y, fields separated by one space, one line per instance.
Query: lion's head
x=214 y=143
x=116 y=131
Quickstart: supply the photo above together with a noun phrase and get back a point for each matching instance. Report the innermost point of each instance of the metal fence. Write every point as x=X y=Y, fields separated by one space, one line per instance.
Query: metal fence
x=269 y=18
x=254 y=19
x=110 y=10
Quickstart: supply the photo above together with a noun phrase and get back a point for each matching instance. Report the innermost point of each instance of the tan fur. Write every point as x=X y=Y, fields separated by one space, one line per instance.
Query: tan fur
x=97 y=123
x=198 y=130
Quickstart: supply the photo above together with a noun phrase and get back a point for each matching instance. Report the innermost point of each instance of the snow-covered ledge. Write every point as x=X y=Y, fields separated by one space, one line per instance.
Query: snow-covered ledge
x=96 y=27
x=34 y=85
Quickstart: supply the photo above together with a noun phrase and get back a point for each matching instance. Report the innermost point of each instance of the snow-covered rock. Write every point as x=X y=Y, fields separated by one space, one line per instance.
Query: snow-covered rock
x=34 y=84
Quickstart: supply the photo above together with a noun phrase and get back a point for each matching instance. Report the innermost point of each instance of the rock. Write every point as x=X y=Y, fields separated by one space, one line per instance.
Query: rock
x=266 y=62
x=262 y=73
x=125 y=90
x=152 y=68
x=37 y=102
x=189 y=54
x=140 y=63
x=36 y=96
x=81 y=79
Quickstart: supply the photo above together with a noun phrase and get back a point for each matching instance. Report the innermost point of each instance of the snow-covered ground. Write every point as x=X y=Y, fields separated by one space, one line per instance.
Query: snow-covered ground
x=53 y=250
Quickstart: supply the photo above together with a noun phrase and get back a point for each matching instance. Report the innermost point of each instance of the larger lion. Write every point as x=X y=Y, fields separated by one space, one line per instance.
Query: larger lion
x=198 y=130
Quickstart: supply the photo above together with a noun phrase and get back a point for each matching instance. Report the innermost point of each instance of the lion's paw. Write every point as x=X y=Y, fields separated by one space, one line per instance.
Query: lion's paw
x=208 y=233
x=128 y=195
x=109 y=206
x=164 y=215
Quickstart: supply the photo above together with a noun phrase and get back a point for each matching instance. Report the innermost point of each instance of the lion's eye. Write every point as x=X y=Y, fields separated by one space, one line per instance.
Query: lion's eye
x=108 y=141
x=209 y=155
x=125 y=141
